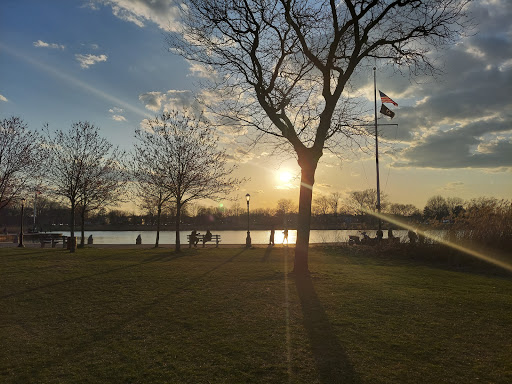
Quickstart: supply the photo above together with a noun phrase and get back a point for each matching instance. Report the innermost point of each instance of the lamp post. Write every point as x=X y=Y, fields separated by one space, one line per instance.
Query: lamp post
x=21 y=223
x=248 y=238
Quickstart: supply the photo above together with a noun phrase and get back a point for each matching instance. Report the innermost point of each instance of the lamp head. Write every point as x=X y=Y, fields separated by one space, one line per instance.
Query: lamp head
x=248 y=197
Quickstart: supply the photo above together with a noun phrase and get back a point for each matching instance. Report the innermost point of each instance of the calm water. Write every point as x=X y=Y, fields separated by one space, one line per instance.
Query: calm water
x=227 y=237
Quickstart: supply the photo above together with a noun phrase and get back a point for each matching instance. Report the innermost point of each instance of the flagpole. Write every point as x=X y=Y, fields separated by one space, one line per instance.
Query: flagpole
x=35 y=200
x=377 y=150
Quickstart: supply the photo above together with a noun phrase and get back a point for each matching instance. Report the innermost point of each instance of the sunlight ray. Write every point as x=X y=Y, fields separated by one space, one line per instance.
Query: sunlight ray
x=487 y=255
x=75 y=82
x=287 y=316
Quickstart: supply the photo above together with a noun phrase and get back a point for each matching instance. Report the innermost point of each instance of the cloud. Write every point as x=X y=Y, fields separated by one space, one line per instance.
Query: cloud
x=152 y=100
x=42 y=44
x=240 y=155
x=287 y=186
x=3 y=98
x=87 y=60
x=457 y=149
x=461 y=119
x=91 y=4
x=201 y=70
x=453 y=186
x=115 y=111
x=138 y=12
x=181 y=100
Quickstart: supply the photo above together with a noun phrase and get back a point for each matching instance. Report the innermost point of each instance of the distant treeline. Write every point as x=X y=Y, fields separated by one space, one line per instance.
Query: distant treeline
x=348 y=213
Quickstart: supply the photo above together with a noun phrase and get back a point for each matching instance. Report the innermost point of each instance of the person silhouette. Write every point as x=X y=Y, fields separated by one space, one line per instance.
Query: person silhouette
x=285 y=236
x=194 y=239
x=413 y=237
x=207 y=236
x=272 y=234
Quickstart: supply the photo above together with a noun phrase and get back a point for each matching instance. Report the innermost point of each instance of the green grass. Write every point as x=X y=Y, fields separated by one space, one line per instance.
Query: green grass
x=237 y=316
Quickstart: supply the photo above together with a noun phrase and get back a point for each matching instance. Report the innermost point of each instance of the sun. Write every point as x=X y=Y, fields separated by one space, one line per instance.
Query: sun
x=285 y=176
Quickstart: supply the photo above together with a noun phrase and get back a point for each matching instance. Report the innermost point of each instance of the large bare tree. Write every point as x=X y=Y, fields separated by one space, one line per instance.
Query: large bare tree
x=82 y=168
x=285 y=66
x=20 y=159
x=183 y=152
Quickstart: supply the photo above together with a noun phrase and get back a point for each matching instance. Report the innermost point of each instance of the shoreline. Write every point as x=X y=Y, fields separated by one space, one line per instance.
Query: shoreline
x=164 y=246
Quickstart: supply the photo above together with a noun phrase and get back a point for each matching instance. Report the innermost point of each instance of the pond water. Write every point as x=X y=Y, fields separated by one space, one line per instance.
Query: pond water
x=227 y=237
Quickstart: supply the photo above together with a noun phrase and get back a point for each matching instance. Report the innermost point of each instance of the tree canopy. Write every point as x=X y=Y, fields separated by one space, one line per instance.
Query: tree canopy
x=284 y=67
x=82 y=168
x=181 y=155
x=20 y=159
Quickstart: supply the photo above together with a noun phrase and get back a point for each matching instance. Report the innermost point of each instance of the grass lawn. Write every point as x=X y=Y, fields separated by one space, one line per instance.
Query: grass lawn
x=237 y=316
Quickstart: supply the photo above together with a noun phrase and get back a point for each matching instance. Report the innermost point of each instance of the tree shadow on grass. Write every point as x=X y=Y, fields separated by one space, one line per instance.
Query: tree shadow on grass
x=102 y=334
x=150 y=259
x=332 y=362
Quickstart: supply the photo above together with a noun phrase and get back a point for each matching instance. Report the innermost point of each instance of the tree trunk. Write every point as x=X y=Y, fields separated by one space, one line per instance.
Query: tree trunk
x=158 y=225
x=307 y=180
x=82 y=231
x=177 y=247
x=72 y=228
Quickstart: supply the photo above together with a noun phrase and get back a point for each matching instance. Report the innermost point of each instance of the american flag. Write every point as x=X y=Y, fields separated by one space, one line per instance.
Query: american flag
x=386 y=99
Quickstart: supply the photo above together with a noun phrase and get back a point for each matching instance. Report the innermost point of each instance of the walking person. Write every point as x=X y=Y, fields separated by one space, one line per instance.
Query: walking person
x=285 y=236
x=272 y=235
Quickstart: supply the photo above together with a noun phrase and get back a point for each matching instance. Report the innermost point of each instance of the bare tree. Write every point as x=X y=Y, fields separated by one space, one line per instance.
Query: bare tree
x=436 y=208
x=105 y=178
x=236 y=209
x=19 y=159
x=284 y=207
x=321 y=205
x=74 y=159
x=283 y=67
x=455 y=206
x=363 y=202
x=150 y=185
x=184 y=152
x=403 y=209
x=333 y=201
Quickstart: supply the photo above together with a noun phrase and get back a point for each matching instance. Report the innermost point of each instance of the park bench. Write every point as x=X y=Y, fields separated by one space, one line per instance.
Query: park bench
x=215 y=238
x=52 y=239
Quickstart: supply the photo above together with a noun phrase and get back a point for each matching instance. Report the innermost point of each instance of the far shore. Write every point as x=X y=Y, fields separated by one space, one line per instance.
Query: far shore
x=149 y=246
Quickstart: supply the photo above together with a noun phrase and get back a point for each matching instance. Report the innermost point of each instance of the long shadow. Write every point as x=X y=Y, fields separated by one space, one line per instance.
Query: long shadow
x=140 y=312
x=151 y=259
x=332 y=362
x=266 y=256
x=218 y=266
x=16 y=257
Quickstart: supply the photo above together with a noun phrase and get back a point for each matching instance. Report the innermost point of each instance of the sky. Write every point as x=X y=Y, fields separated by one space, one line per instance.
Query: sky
x=107 y=62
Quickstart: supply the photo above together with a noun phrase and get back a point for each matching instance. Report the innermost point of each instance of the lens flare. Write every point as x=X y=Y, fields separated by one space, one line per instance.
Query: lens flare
x=489 y=256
